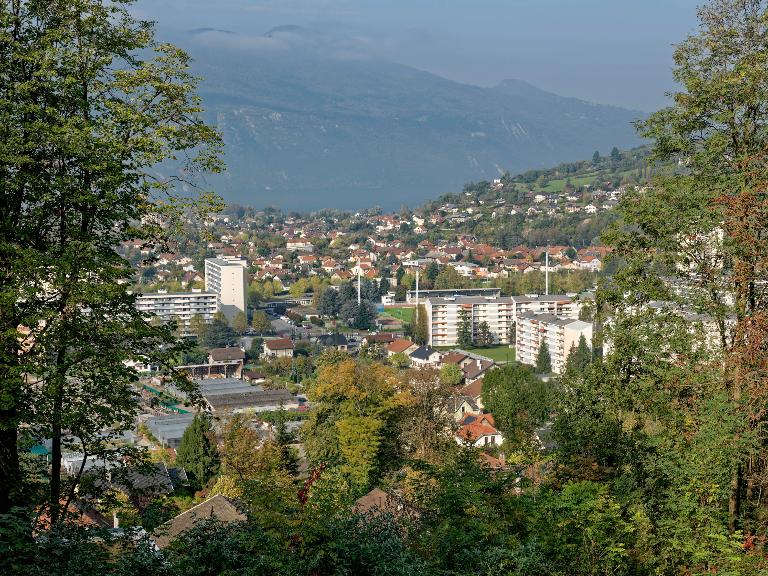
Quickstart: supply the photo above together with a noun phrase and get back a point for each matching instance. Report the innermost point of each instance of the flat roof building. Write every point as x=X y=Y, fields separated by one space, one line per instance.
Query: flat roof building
x=169 y=429
x=557 y=304
x=444 y=316
x=179 y=306
x=410 y=296
x=560 y=334
x=228 y=277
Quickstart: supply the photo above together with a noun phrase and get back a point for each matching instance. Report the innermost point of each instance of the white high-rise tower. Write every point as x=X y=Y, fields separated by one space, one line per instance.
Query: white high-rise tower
x=228 y=278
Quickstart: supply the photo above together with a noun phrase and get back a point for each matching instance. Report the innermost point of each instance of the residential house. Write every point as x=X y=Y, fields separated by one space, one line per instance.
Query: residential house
x=425 y=356
x=401 y=346
x=278 y=348
x=219 y=507
x=479 y=430
x=335 y=340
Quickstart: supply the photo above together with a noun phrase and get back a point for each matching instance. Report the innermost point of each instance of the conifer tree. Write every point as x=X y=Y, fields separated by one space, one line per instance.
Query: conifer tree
x=580 y=356
x=197 y=450
x=418 y=327
x=543 y=359
x=464 y=330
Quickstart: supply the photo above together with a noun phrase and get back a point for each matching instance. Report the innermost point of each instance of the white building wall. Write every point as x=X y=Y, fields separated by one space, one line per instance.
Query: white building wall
x=559 y=333
x=227 y=277
x=180 y=307
x=444 y=315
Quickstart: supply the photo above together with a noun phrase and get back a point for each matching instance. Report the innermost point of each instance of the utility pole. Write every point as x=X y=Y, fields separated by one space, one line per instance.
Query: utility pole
x=358 y=283
x=546 y=271
x=417 y=294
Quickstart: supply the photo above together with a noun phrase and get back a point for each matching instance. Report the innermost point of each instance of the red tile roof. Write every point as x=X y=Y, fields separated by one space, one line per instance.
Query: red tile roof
x=279 y=344
x=400 y=345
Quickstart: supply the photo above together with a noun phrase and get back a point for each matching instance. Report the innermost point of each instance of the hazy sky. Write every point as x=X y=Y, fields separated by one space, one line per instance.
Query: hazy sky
x=608 y=51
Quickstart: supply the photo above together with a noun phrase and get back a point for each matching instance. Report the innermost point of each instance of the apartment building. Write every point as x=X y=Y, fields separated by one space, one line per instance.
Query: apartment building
x=228 y=278
x=555 y=304
x=559 y=333
x=410 y=295
x=444 y=315
x=179 y=306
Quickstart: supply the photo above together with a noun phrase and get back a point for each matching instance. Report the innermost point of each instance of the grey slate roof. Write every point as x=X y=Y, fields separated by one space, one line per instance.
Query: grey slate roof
x=219 y=507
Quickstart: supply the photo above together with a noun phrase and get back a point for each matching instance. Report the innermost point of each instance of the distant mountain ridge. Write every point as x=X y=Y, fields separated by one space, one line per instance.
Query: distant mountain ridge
x=311 y=122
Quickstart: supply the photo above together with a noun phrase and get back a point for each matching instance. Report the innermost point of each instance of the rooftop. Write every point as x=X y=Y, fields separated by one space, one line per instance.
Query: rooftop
x=279 y=344
x=219 y=507
x=556 y=320
x=222 y=354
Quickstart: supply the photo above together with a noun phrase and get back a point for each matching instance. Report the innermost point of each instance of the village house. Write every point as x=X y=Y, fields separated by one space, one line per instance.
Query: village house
x=278 y=348
x=479 y=430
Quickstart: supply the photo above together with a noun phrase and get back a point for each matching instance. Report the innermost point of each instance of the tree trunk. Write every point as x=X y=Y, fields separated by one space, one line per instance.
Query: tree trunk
x=10 y=472
x=734 y=500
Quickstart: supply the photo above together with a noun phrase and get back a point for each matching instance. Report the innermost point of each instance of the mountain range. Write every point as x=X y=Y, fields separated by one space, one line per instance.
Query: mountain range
x=314 y=122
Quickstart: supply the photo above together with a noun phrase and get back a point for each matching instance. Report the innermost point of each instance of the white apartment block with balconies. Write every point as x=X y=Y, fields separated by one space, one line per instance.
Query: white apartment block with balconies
x=228 y=278
x=555 y=304
x=560 y=334
x=180 y=306
x=444 y=315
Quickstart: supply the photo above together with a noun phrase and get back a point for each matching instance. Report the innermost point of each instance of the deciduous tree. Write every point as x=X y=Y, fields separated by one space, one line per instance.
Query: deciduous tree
x=90 y=104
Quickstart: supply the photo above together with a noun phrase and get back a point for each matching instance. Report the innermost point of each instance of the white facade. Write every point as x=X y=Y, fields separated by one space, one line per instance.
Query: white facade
x=560 y=334
x=228 y=278
x=501 y=313
x=179 y=306
x=444 y=315
x=555 y=304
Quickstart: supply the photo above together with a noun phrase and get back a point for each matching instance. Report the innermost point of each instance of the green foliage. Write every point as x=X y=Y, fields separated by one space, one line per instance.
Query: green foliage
x=518 y=400
x=197 y=450
x=449 y=278
x=92 y=105
x=400 y=360
x=543 y=359
x=418 y=329
x=588 y=430
x=256 y=349
x=353 y=417
x=218 y=334
x=212 y=547
x=329 y=304
x=283 y=439
x=484 y=336
x=261 y=323
x=464 y=330
x=579 y=357
x=583 y=530
x=451 y=375
x=240 y=323
x=364 y=316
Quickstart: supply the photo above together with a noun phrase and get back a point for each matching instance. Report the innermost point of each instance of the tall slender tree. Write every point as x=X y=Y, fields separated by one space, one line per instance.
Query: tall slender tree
x=89 y=104
x=464 y=329
x=712 y=242
x=543 y=359
x=197 y=450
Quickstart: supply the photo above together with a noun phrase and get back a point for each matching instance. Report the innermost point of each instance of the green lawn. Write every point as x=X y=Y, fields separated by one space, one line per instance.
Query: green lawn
x=402 y=314
x=559 y=184
x=496 y=353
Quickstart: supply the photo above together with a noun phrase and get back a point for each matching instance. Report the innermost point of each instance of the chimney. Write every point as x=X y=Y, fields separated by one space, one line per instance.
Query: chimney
x=479 y=363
